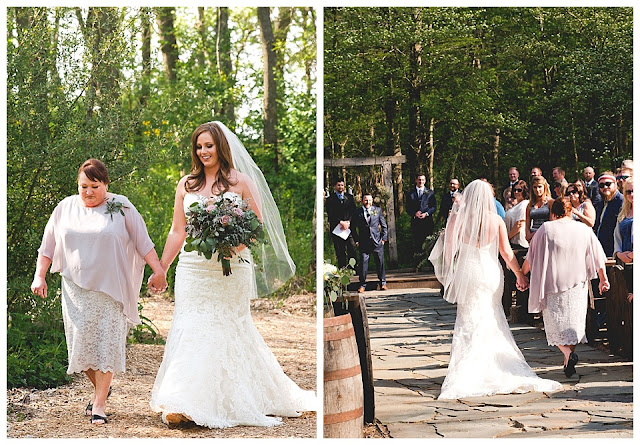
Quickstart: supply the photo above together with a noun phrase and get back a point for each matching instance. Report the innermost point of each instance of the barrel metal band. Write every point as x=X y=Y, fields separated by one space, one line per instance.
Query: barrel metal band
x=342 y=373
x=336 y=321
x=331 y=419
x=339 y=335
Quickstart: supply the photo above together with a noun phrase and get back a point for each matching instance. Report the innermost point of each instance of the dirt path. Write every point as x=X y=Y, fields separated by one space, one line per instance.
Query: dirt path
x=58 y=412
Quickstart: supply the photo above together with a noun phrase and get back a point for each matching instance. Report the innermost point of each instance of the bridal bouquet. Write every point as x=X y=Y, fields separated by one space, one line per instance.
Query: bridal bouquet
x=220 y=226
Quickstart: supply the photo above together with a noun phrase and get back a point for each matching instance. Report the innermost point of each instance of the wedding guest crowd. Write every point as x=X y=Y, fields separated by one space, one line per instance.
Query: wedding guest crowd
x=602 y=203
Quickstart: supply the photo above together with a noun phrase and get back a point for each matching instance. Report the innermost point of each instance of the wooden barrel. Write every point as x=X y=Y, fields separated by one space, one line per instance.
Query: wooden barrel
x=343 y=399
x=358 y=311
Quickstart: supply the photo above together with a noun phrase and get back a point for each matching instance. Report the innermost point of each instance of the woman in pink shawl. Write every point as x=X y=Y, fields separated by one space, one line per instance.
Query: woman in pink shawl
x=563 y=256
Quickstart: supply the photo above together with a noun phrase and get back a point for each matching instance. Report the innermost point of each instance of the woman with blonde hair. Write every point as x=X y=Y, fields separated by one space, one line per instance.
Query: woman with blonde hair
x=539 y=206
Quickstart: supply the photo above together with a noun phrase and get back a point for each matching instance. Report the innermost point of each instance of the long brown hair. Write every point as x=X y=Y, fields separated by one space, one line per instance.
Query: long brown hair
x=196 y=179
x=580 y=187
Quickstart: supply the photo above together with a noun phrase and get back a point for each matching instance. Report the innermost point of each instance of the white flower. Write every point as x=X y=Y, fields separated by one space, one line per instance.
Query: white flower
x=328 y=270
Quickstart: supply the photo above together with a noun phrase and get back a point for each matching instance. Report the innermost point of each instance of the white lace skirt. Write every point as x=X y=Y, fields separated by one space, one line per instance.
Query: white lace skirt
x=565 y=316
x=217 y=370
x=95 y=328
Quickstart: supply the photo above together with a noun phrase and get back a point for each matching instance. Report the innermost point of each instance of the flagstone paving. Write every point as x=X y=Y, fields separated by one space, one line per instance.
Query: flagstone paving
x=410 y=333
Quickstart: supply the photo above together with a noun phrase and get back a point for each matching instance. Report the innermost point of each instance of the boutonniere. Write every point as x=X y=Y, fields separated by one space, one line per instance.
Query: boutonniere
x=114 y=206
x=374 y=212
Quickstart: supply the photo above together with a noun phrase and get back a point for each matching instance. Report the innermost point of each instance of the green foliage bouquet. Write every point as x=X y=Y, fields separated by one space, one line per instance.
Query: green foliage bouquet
x=336 y=281
x=220 y=226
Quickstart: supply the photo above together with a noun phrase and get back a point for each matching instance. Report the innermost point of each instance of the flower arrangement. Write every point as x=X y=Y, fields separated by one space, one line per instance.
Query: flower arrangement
x=114 y=206
x=220 y=226
x=336 y=281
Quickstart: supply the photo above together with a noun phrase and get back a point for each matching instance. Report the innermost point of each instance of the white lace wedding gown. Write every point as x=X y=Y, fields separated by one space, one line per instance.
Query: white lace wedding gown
x=217 y=370
x=485 y=359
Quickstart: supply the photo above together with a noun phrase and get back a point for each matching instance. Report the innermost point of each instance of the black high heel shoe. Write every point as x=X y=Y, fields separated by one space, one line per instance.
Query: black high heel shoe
x=570 y=369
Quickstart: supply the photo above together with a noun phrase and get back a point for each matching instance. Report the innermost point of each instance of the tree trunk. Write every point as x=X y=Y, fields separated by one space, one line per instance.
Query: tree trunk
x=432 y=150
x=496 y=153
x=224 y=65
x=393 y=141
x=98 y=28
x=201 y=28
x=415 y=120
x=280 y=31
x=270 y=115
x=168 y=45
x=145 y=23
x=308 y=22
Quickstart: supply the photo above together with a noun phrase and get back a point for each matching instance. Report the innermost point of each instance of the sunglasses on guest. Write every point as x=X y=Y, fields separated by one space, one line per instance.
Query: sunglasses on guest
x=517 y=190
x=571 y=192
x=605 y=184
x=622 y=177
x=628 y=192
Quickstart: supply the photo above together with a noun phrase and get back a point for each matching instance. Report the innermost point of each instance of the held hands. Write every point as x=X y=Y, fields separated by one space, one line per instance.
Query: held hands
x=39 y=286
x=522 y=282
x=625 y=257
x=157 y=282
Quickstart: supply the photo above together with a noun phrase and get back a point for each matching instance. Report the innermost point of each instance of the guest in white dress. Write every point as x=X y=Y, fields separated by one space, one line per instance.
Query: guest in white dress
x=515 y=218
x=563 y=256
x=99 y=243
x=217 y=371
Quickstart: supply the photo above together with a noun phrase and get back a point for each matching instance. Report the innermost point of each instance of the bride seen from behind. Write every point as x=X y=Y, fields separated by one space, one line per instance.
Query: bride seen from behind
x=485 y=359
x=217 y=371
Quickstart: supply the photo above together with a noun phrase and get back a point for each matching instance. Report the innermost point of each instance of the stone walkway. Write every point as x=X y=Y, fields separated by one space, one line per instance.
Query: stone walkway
x=410 y=331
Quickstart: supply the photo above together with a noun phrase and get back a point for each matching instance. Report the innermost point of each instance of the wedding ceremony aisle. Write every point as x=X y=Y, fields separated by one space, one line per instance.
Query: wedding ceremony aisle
x=410 y=334
x=58 y=412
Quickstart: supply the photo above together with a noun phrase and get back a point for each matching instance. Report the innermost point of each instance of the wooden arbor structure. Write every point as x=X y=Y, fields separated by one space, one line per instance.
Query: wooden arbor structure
x=387 y=181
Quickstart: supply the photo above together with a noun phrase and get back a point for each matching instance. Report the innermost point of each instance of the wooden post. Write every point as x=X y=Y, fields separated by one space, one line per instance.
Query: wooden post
x=387 y=181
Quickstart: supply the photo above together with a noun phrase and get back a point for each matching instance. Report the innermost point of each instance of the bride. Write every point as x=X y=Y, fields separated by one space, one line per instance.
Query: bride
x=485 y=359
x=217 y=371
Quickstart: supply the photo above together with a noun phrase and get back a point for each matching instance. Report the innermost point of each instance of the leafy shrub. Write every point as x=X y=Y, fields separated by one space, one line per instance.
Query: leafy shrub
x=36 y=351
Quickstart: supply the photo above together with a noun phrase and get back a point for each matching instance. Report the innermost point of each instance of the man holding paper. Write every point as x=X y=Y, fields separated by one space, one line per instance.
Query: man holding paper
x=340 y=206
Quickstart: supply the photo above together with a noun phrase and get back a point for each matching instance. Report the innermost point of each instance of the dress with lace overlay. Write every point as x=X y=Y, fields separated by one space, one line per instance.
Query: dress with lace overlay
x=485 y=359
x=217 y=370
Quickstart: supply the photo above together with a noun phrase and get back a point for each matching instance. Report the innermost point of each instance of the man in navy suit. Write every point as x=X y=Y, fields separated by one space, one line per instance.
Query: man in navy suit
x=421 y=206
x=591 y=185
x=447 y=199
x=369 y=230
x=340 y=206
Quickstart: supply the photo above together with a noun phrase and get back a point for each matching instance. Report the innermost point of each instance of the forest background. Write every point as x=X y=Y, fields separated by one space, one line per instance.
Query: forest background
x=470 y=92
x=129 y=86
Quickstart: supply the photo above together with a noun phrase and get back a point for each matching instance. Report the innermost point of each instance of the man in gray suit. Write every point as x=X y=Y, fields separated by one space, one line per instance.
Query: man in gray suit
x=369 y=230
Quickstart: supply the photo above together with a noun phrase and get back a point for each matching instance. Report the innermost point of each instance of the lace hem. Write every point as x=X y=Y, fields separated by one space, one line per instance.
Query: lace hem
x=77 y=368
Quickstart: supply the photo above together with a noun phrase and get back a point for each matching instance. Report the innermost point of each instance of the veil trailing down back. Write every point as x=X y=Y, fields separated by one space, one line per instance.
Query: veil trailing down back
x=276 y=266
x=485 y=359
